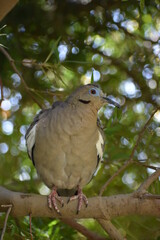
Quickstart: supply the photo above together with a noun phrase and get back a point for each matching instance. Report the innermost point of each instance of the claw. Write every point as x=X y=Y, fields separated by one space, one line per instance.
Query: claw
x=81 y=198
x=53 y=196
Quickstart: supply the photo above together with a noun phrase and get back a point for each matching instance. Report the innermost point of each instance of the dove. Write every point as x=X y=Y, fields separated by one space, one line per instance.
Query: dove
x=66 y=144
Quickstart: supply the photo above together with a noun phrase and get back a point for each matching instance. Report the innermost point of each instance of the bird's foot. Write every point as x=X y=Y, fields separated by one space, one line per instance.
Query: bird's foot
x=81 y=198
x=53 y=196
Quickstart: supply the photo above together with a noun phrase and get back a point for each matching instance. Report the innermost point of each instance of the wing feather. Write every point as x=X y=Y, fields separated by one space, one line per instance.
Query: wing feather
x=31 y=131
x=101 y=140
x=99 y=145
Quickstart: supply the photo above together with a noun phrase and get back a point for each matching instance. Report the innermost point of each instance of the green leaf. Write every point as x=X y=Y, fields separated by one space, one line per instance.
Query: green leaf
x=142 y=5
x=92 y=78
x=114 y=129
x=54 y=50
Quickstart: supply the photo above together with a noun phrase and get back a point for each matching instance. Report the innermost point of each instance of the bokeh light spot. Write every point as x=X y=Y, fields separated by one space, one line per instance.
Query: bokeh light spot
x=157 y=116
x=129 y=89
x=63 y=50
x=7 y=127
x=16 y=79
x=3 y=148
x=6 y=105
x=152 y=84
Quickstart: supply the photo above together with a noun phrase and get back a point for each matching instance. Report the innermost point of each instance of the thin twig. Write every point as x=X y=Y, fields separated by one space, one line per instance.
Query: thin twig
x=87 y=233
x=150 y=196
x=135 y=161
x=6 y=219
x=30 y=225
x=19 y=74
x=13 y=65
x=110 y=229
x=146 y=166
x=140 y=135
x=125 y=165
x=1 y=86
x=46 y=92
x=145 y=185
x=130 y=160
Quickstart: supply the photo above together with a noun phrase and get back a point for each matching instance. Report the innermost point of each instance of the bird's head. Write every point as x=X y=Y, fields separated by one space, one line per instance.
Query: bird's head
x=90 y=95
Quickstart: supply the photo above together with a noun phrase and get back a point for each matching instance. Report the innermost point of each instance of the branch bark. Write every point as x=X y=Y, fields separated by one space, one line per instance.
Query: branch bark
x=6 y=6
x=106 y=207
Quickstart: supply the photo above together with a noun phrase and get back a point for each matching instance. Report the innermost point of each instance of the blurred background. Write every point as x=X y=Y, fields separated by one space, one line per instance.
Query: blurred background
x=57 y=46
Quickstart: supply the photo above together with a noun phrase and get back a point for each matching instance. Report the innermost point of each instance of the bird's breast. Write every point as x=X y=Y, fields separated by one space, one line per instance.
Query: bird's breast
x=67 y=155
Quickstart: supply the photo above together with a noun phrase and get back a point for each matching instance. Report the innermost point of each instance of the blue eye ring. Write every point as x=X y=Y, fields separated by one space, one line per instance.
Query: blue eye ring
x=93 y=92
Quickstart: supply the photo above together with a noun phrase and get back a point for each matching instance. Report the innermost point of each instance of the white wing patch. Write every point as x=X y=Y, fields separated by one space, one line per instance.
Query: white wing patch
x=30 y=140
x=99 y=145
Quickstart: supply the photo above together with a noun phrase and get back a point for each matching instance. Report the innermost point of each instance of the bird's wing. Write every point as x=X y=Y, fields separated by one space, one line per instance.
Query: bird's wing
x=31 y=131
x=100 y=144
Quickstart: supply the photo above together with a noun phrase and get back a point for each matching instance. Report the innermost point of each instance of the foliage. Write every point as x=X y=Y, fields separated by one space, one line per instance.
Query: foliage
x=58 y=45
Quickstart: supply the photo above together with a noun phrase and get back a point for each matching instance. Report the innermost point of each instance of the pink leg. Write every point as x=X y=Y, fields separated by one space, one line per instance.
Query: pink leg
x=81 y=198
x=53 y=196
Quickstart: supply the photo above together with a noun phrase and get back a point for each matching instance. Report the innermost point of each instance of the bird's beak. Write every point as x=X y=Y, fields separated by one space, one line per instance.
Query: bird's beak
x=109 y=100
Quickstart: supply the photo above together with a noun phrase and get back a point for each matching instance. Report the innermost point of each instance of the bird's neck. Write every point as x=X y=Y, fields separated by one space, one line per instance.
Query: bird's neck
x=83 y=114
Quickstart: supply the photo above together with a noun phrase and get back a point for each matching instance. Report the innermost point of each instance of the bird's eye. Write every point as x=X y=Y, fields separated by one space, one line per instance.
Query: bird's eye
x=94 y=92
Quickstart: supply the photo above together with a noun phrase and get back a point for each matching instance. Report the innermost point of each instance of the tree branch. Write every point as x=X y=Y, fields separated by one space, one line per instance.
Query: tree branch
x=6 y=6
x=125 y=165
x=145 y=185
x=87 y=233
x=144 y=165
x=106 y=207
x=130 y=160
x=6 y=219
x=6 y=54
x=111 y=229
